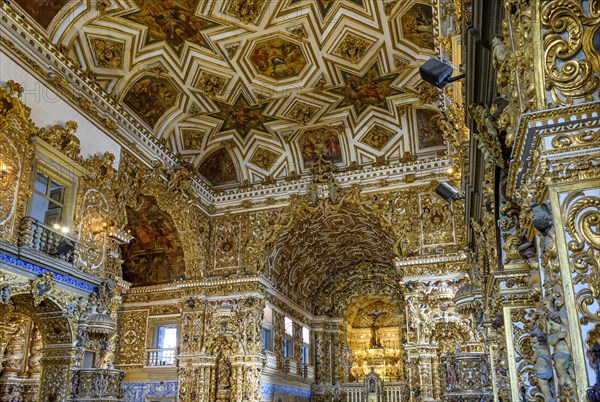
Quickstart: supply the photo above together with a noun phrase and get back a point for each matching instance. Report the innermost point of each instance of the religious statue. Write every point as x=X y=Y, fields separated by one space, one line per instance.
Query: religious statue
x=35 y=357
x=375 y=340
x=224 y=373
x=542 y=364
x=561 y=356
x=451 y=376
x=499 y=52
x=5 y=292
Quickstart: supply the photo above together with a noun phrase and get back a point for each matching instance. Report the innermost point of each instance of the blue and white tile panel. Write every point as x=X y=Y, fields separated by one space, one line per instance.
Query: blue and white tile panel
x=37 y=270
x=139 y=391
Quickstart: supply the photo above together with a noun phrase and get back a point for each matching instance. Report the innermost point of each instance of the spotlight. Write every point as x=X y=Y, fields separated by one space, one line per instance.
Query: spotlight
x=438 y=73
x=448 y=192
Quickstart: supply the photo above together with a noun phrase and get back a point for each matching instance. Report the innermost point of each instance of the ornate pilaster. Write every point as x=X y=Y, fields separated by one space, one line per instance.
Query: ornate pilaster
x=278 y=335
x=329 y=345
x=55 y=383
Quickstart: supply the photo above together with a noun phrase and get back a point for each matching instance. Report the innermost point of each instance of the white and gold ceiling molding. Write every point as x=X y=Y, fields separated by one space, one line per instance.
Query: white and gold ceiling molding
x=200 y=74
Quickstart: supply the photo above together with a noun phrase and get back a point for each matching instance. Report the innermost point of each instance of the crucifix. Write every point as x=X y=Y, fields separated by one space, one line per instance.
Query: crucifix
x=375 y=341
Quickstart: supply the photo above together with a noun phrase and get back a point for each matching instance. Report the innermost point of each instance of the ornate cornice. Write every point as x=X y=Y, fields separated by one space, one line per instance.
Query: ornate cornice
x=532 y=126
x=36 y=54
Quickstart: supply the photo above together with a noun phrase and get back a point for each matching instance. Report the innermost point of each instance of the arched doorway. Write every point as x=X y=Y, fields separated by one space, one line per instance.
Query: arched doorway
x=36 y=342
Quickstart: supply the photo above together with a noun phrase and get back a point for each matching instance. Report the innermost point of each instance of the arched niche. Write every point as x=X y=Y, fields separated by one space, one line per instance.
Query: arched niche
x=155 y=255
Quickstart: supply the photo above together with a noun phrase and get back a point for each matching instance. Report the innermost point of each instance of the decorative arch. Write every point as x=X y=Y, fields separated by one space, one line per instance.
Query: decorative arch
x=173 y=199
x=355 y=282
x=48 y=316
x=314 y=240
x=155 y=254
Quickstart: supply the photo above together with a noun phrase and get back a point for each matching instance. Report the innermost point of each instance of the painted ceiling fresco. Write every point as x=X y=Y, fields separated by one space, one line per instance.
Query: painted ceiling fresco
x=370 y=89
x=155 y=254
x=150 y=97
x=321 y=142
x=219 y=168
x=173 y=22
x=278 y=58
x=260 y=75
x=43 y=11
x=241 y=117
x=430 y=135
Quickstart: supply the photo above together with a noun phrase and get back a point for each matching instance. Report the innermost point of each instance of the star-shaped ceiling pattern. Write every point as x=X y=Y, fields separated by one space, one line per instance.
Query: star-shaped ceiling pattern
x=241 y=117
x=171 y=21
x=370 y=89
x=200 y=74
x=325 y=5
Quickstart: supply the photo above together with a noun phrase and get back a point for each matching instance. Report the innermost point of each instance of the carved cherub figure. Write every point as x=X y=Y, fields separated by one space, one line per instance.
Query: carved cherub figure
x=499 y=52
x=561 y=355
x=542 y=364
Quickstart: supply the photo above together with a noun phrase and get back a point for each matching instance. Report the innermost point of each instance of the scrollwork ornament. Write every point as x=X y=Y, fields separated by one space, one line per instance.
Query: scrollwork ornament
x=582 y=217
x=568 y=35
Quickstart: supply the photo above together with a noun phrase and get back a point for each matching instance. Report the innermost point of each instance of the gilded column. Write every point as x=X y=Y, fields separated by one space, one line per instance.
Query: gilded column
x=278 y=335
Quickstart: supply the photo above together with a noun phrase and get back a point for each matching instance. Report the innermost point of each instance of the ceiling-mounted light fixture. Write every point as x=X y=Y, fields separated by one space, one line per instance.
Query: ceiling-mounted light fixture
x=438 y=73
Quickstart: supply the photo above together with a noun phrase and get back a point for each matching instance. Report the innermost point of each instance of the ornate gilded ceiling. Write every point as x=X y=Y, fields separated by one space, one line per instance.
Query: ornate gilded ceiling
x=304 y=256
x=250 y=91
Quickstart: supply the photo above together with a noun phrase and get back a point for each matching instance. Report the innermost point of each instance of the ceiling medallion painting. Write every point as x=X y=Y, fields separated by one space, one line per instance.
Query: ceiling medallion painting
x=320 y=142
x=263 y=158
x=155 y=254
x=219 y=168
x=211 y=84
x=42 y=11
x=353 y=48
x=377 y=137
x=109 y=54
x=430 y=134
x=417 y=26
x=278 y=58
x=241 y=116
x=246 y=11
x=171 y=21
x=150 y=97
x=191 y=139
x=371 y=89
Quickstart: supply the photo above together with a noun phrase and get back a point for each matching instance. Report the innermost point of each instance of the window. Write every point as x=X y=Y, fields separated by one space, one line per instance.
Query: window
x=166 y=336
x=165 y=346
x=288 y=347
x=48 y=200
x=305 y=352
x=305 y=345
x=288 y=340
x=267 y=339
x=267 y=328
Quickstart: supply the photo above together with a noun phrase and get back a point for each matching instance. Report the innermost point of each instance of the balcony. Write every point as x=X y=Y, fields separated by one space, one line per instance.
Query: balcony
x=37 y=236
x=308 y=372
x=162 y=357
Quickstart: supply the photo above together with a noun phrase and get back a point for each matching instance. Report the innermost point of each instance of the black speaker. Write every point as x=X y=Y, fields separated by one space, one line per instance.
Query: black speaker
x=446 y=191
x=435 y=72
x=63 y=248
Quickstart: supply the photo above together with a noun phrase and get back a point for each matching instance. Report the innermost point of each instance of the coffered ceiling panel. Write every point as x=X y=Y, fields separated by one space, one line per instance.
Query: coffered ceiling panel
x=251 y=91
